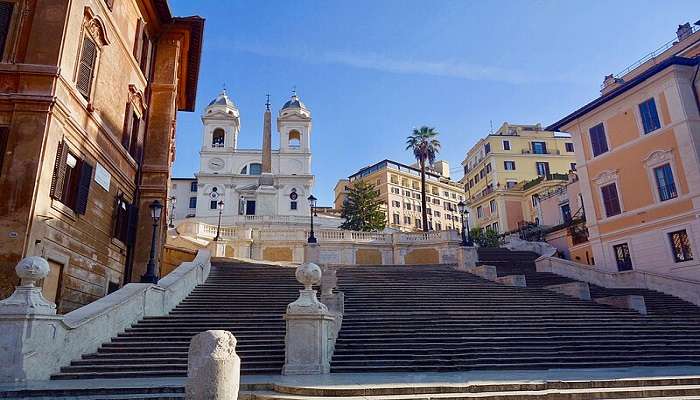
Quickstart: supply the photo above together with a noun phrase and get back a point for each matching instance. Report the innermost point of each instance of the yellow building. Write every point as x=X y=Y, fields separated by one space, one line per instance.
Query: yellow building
x=497 y=168
x=400 y=189
x=638 y=162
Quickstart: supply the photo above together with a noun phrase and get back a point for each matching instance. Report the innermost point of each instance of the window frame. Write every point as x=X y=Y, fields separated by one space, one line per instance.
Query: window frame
x=505 y=145
x=640 y=117
x=191 y=207
x=657 y=183
x=656 y=159
x=567 y=145
x=605 y=135
x=619 y=199
x=538 y=142
x=691 y=244
x=505 y=164
x=628 y=263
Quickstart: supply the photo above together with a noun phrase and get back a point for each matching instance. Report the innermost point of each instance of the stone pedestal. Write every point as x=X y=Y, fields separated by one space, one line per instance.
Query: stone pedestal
x=466 y=258
x=308 y=341
x=213 y=368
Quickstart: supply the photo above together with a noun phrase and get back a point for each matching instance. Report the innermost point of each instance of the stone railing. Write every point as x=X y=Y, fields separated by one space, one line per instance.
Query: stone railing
x=686 y=289
x=35 y=342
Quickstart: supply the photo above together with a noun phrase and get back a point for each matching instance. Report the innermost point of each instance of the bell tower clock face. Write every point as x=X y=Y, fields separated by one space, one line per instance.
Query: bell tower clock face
x=216 y=164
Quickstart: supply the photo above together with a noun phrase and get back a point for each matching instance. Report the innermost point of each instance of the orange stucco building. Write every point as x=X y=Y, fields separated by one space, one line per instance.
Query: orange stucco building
x=89 y=95
x=639 y=165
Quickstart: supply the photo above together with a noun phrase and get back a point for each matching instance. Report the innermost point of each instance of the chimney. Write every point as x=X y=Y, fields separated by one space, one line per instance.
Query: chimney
x=684 y=31
x=442 y=167
x=267 y=140
x=610 y=83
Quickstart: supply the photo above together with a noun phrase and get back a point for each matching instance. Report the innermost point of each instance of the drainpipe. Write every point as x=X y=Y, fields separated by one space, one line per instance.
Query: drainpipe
x=695 y=91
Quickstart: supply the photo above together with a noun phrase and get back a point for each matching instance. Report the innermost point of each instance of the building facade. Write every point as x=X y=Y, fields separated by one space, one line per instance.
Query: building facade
x=262 y=182
x=638 y=162
x=182 y=202
x=399 y=187
x=498 y=167
x=90 y=94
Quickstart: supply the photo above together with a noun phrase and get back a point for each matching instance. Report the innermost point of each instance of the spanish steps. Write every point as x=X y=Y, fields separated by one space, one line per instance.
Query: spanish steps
x=410 y=319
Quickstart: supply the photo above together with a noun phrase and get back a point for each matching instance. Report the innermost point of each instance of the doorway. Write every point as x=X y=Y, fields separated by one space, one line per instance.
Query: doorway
x=250 y=207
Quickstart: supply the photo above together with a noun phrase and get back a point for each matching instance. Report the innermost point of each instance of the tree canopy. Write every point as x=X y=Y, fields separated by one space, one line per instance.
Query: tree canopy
x=362 y=210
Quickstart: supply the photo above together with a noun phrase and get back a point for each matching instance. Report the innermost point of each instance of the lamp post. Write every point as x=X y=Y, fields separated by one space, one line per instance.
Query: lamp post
x=466 y=238
x=218 y=226
x=172 y=211
x=150 y=275
x=312 y=204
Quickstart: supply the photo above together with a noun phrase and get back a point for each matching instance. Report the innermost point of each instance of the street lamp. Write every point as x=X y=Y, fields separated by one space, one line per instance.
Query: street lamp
x=218 y=226
x=466 y=237
x=312 y=204
x=150 y=276
x=172 y=211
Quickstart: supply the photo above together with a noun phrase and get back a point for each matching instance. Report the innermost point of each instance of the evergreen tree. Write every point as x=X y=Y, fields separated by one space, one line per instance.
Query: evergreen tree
x=362 y=210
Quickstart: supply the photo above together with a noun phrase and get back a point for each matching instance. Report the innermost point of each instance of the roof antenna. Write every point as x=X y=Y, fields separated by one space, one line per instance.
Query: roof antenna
x=267 y=103
x=491 y=123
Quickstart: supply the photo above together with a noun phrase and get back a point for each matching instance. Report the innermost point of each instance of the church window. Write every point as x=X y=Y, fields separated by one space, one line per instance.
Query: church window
x=217 y=138
x=294 y=139
x=293 y=205
x=212 y=204
x=244 y=170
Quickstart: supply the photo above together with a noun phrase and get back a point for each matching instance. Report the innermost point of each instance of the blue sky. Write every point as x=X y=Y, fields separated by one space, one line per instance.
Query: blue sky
x=370 y=71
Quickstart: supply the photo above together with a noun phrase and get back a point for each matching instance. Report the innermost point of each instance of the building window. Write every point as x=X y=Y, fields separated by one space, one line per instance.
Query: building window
x=650 y=118
x=217 y=138
x=193 y=186
x=492 y=206
x=509 y=165
x=212 y=204
x=542 y=168
x=438 y=226
x=665 y=183
x=611 y=202
x=394 y=179
x=488 y=169
x=569 y=147
x=539 y=147
x=407 y=220
x=121 y=219
x=680 y=245
x=480 y=212
x=487 y=148
x=437 y=213
x=622 y=257
x=511 y=184
x=599 y=142
x=193 y=202
x=6 y=9
x=573 y=166
x=506 y=145
x=86 y=67
x=71 y=180
x=292 y=205
x=143 y=48
x=255 y=169
x=397 y=219
x=294 y=139
x=535 y=200
x=418 y=223
x=396 y=203
x=407 y=206
x=565 y=212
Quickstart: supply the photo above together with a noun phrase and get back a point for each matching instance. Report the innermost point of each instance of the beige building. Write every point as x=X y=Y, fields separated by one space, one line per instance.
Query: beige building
x=638 y=160
x=399 y=187
x=91 y=89
x=498 y=167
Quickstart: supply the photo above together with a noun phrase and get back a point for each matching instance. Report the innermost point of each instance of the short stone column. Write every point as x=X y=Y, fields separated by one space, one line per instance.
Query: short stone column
x=309 y=328
x=28 y=323
x=213 y=367
x=466 y=258
x=312 y=253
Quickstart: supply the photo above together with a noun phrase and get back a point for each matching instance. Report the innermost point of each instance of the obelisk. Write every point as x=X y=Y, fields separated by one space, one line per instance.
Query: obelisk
x=267 y=139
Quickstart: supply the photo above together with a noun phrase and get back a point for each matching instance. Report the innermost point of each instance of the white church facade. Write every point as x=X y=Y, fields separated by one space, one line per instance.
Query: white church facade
x=250 y=182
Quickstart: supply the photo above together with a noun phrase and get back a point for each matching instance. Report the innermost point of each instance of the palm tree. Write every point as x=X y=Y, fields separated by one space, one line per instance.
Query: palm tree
x=425 y=147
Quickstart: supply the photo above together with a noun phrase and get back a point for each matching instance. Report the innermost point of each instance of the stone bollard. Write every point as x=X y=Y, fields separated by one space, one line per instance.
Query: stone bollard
x=213 y=368
x=309 y=328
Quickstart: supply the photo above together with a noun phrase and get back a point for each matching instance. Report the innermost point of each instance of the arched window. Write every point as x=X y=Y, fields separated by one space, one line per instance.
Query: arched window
x=217 y=138
x=294 y=139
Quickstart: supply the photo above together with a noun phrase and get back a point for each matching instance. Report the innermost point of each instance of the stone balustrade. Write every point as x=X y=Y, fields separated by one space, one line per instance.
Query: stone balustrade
x=686 y=289
x=35 y=342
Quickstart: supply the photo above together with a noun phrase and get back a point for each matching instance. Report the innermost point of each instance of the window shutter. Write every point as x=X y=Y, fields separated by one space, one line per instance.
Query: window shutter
x=6 y=9
x=83 y=188
x=131 y=224
x=138 y=153
x=128 y=125
x=138 y=40
x=86 y=67
x=59 y=171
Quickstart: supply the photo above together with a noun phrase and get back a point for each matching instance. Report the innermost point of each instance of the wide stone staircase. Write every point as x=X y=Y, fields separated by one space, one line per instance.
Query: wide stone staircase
x=434 y=318
x=248 y=300
x=410 y=320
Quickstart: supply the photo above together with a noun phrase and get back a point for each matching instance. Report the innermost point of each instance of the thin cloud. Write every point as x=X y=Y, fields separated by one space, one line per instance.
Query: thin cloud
x=377 y=62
